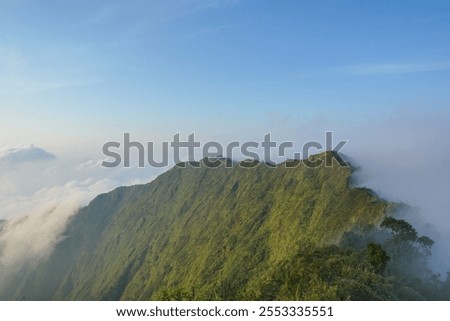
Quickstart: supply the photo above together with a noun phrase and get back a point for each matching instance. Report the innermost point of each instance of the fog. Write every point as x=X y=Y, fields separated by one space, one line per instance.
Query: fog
x=404 y=156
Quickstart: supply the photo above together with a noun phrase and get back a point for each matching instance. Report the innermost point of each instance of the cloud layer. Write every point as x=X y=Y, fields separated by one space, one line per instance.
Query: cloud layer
x=38 y=195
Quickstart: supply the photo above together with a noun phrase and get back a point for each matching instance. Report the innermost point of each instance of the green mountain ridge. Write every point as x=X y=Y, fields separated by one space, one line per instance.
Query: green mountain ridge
x=239 y=233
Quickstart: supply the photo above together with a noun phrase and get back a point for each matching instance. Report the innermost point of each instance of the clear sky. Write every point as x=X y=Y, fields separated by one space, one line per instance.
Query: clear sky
x=82 y=72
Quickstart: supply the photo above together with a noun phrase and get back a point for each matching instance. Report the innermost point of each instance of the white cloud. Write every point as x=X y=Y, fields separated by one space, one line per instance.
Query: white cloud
x=31 y=237
x=23 y=153
x=38 y=195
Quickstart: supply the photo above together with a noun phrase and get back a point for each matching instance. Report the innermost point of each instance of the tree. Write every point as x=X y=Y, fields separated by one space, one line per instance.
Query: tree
x=408 y=251
x=377 y=257
x=426 y=243
x=400 y=229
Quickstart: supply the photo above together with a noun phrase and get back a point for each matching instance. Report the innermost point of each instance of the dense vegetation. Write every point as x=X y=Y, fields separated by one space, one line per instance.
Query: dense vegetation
x=260 y=233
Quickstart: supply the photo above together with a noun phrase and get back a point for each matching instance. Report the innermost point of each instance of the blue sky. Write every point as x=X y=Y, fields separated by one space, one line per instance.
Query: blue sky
x=83 y=72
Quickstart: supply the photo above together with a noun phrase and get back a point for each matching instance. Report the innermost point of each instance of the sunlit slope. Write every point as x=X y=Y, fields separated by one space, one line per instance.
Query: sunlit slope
x=217 y=233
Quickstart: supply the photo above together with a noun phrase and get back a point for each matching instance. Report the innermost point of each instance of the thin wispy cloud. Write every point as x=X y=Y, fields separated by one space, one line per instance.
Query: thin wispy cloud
x=393 y=68
x=22 y=75
x=193 y=7
x=106 y=12
x=22 y=86
x=151 y=18
x=211 y=30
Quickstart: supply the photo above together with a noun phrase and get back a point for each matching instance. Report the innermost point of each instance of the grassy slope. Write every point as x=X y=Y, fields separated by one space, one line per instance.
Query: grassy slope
x=219 y=233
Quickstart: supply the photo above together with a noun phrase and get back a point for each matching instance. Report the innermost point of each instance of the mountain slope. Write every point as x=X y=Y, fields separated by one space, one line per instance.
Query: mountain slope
x=204 y=233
